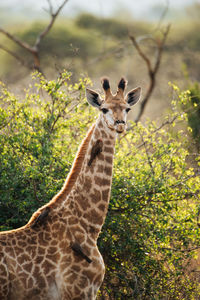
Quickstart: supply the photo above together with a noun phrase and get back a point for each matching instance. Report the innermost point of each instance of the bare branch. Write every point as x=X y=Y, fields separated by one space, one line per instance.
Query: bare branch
x=15 y=39
x=152 y=69
x=163 y=15
x=22 y=62
x=50 y=7
x=167 y=122
x=34 y=51
x=25 y=46
x=160 y=45
x=49 y=26
x=113 y=51
x=140 y=52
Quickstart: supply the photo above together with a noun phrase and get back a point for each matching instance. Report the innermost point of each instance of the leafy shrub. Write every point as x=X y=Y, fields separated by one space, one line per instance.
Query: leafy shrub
x=152 y=219
x=193 y=112
x=151 y=234
x=35 y=145
x=64 y=40
x=185 y=30
x=106 y=26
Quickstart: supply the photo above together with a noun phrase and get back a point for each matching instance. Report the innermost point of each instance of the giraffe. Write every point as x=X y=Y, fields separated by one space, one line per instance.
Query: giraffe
x=55 y=255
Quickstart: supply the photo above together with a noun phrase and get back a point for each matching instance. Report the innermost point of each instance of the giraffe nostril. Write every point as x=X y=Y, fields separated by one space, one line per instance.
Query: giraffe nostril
x=119 y=122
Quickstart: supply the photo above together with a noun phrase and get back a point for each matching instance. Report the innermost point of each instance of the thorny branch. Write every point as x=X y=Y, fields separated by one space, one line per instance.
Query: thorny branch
x=152 y=68
x=167 y=122
x=33 y=50
x=147 y=154
x=157 y=129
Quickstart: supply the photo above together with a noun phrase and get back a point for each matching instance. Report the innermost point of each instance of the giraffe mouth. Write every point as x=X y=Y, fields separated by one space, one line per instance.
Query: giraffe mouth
x=120 y=131
x=120 y=128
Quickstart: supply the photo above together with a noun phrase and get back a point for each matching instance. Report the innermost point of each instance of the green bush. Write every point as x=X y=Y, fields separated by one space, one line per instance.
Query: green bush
x=64 y=43
x=151 y=234
x=111 y=27
x=193 y=112
x=64 y=40
x=185 y=36
x=152 y=219
x=36 y=148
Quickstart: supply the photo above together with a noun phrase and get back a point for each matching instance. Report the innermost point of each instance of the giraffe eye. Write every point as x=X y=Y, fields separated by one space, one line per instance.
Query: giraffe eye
x=128 y=109
x=104 y=110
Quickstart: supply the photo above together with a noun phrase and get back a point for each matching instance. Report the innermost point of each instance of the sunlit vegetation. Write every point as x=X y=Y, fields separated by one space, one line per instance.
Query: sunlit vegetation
x=151 y=237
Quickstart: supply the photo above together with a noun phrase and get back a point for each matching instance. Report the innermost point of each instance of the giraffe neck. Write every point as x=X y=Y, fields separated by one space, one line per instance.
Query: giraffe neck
x=84 y=198
x=89 y=198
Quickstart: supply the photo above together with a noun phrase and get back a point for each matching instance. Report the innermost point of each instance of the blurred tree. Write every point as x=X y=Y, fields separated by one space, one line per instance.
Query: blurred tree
x=152 y=67
x=112 y=27
x=35 y=49
x=194 y=11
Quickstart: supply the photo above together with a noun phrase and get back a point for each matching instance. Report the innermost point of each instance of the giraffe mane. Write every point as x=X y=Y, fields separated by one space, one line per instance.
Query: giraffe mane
x=71 y=178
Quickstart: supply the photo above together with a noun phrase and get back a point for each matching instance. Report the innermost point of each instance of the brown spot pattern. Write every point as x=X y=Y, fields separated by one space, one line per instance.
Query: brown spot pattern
x=77 y=214
x=109 y=150
x=108 y=171
x=95 y=196
x=108 y=159
x=105 y=194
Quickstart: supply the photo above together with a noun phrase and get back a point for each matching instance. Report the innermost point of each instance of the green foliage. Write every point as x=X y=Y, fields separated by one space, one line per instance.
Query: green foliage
x=36 y=148
x=185 y=37
x=152 y=228
x=152 y=220
x=193 y=112
x=64 y=40
x=110 y=26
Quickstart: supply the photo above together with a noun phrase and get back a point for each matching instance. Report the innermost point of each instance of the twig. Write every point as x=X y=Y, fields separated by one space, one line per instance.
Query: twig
x=22 y=62
x=141 y=53
x=35 y=190
x=147 y=154
x=33 y=50
x=163 y=15
x=15 y=39
x=50 y=7
x=116 y=50
x=152 y=69
x=168 y=122
x=49 y=26
x=10 y=119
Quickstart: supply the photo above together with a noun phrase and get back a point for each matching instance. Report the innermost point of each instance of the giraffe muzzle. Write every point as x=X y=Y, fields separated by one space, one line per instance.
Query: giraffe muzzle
x=120 y=126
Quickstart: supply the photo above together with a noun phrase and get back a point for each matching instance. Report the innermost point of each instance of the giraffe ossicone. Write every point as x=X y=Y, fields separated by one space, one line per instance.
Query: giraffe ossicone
x=55 y=255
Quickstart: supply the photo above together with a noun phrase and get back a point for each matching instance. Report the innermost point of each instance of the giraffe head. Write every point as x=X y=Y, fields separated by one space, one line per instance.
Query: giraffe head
x=114 y=107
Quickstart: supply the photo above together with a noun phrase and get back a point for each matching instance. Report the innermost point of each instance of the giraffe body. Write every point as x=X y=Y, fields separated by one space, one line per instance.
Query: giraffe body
x=55 y=255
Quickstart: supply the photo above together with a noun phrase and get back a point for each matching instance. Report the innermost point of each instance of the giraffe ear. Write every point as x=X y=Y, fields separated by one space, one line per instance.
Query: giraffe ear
x=133 y=96
x=93 y=98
